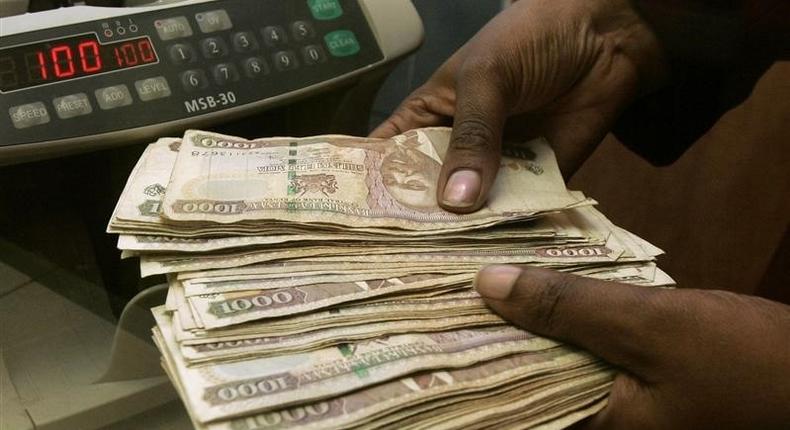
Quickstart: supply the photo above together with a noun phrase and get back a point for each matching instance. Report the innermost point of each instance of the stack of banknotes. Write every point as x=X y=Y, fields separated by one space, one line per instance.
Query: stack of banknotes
x=314 y=283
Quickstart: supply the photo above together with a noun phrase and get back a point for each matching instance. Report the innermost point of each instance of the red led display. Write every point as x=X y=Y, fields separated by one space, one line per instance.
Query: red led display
x=58 y=60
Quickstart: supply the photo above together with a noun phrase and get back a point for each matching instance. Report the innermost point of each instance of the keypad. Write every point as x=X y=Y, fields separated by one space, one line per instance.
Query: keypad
x=274 y=36
x=213 y=47
x=313 y=54
x=194 y=80
x=274 y=47
x=244 y=41
x=302 y=30
x=246 y=51
x=255 y=67
x=182 y=53
x=225 y=73
x=285 y=60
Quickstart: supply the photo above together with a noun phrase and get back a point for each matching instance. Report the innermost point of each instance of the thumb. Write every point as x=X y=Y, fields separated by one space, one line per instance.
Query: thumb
x=472 y=159
x=605 y=318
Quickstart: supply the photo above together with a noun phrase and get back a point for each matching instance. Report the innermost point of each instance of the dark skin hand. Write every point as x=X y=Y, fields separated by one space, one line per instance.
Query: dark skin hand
x=563 y=69
x=566 y=69
x=690 y=359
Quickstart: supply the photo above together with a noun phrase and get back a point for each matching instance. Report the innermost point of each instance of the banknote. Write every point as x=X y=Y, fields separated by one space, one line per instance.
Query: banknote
x=234 y=350
x=424 y=388
x=224 y=390
x=224 y=309
x=463 y=303
x=347 y=181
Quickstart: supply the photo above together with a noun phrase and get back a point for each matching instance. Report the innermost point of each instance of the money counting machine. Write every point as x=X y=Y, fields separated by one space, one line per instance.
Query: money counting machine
x=82 y=89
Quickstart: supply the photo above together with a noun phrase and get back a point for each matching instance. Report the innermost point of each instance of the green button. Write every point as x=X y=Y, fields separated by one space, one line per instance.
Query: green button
x=341 y=43
x=325 y=9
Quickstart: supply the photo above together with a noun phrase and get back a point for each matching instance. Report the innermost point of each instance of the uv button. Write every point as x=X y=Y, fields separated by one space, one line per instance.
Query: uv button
x=341 y=43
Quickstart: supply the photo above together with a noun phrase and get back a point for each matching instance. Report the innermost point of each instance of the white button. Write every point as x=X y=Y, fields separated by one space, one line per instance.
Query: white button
x=113 y=97
x=28 y=115
x=72 y=105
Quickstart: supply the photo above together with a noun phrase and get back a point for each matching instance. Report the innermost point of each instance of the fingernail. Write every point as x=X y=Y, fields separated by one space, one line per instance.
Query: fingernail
x=462 y=188
x=496 y=281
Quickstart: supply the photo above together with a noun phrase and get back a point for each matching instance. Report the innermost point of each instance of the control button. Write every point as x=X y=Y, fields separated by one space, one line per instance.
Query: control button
x=341 y=43
x=152 y=88
x=313 y=54
x=113 y=97
x=214 y=20
x=325 y=10
x=72 y=105
x=173 y=28
x=302 y=30
x=255 y=66
x=244 y=41
x=181 y=53
x=28 y=115
x=213 y=47
x=194 y=80
x=285 y=60
x=224 y=73
x=274 y=35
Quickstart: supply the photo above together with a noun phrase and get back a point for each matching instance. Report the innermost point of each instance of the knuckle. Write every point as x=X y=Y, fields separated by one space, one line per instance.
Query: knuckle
x=550 y=302
x=473 y=134
x=421 y=105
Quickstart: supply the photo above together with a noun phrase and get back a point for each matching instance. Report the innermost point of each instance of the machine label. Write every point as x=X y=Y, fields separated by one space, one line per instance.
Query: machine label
x=210 y=102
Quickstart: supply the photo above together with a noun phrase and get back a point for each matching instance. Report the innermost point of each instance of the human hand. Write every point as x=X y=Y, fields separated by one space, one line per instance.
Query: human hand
x=690 y=359
x=563 y=69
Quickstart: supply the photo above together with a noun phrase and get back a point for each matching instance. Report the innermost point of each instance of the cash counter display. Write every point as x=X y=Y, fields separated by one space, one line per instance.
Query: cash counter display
x=109 y=76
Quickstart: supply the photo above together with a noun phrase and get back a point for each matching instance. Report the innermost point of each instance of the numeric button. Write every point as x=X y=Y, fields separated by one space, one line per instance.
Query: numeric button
x=213 y=47
x=302 y=30
x=274 y=35
x=194 y=80
x=255 y=67
x=224 y=73
x=181 y=53
x=285 y=60
x=244 y=41
x=313 y=54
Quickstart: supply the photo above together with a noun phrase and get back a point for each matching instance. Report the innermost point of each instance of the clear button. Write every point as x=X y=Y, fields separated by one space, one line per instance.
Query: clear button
x=72 y=105
x=152 y=88
x=113 y=97
x=28 y=115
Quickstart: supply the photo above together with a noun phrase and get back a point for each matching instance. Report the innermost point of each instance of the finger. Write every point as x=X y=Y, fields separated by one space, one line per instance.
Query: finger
x=427 y=106
x=432 y=104
x=472 y=159
x=609 y=319
x=630 y=405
